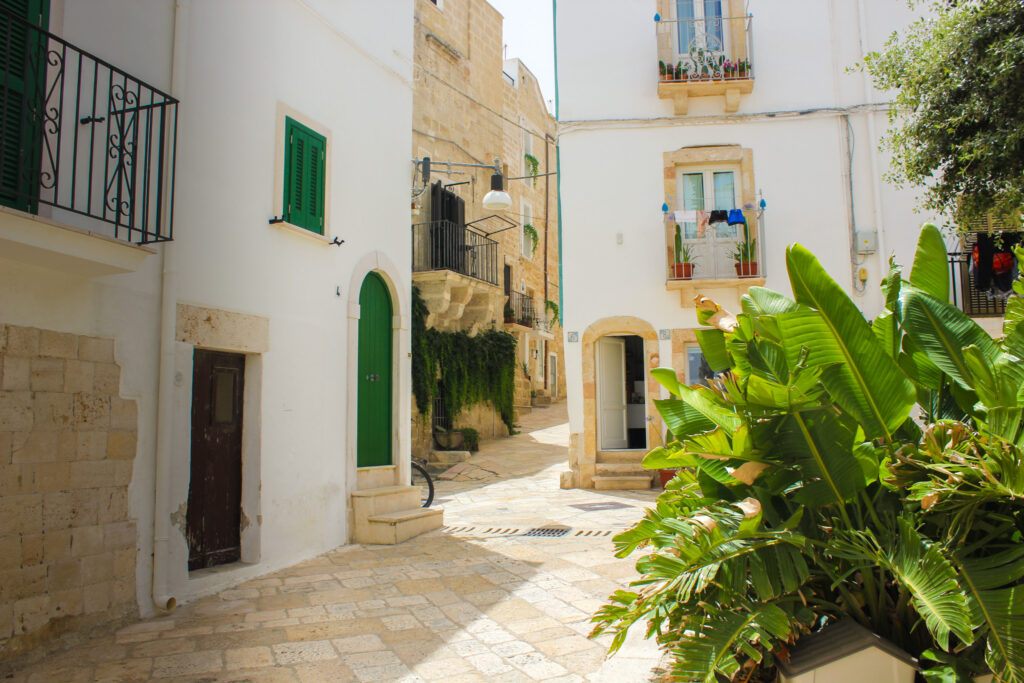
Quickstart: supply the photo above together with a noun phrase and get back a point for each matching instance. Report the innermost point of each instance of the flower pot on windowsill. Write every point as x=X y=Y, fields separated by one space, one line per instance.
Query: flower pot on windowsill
x=746 y=268
x=682 y=271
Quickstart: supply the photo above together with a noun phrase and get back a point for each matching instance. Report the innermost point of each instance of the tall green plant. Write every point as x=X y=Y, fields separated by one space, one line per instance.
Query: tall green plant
x=806 y=493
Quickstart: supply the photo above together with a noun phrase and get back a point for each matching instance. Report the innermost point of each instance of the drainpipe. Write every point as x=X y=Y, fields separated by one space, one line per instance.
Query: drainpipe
x=872 y=156
x=547 y=212
x=165 y=396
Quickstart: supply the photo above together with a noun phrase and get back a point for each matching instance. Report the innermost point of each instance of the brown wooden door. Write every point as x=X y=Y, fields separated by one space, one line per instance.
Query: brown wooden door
x=215 y=486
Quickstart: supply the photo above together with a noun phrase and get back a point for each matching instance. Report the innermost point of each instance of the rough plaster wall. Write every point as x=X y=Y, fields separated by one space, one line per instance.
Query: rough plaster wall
x=67 y=449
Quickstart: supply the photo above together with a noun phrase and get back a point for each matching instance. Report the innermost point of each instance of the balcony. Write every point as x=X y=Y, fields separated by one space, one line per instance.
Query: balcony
x=966 y=296
x=703 y=58
x=714 y=257
x=519 y=310
x=456 y=269
x=82 y=142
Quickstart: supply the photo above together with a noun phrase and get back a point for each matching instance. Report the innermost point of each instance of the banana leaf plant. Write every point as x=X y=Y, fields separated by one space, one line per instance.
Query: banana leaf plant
x=839 y=468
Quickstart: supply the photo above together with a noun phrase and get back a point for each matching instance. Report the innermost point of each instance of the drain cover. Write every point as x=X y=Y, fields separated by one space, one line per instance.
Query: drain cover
x=593 y=507
x=548 y=531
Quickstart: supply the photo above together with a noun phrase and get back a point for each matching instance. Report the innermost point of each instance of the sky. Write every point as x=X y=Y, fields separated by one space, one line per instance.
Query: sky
x=528 y=36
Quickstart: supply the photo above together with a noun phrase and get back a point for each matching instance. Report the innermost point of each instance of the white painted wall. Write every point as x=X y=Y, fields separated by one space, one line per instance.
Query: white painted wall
x=345 y=66
x=614 y=130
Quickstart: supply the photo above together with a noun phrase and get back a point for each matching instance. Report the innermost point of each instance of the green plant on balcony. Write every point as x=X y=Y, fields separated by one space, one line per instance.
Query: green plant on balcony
x=807 y=492
x=532 y=167
x=745 y=254
x=682 y=266
x=531 y=234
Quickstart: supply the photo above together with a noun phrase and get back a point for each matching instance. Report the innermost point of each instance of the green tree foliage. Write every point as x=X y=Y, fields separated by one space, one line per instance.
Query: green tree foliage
x=957 y=122
x=806 y=492
x=464 y=370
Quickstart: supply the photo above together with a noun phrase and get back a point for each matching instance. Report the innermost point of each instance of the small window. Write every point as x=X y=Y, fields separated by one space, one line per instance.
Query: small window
x=304 y=181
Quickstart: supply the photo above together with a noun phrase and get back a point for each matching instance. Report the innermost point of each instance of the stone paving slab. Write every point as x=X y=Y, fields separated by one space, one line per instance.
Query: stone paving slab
x=456 y=605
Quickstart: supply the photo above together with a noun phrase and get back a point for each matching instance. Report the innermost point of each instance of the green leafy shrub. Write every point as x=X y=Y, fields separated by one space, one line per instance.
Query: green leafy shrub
x=464 y=370
x=807 y=493
x=470 y=439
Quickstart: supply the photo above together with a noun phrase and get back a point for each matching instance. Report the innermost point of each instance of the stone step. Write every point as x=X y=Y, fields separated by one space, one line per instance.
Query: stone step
x=634 y=457
x=447 y=458
x=395 y=527
x=378 y=501
x=522 y=410
x=618 y=469
x=622 y=483
x=539 y=400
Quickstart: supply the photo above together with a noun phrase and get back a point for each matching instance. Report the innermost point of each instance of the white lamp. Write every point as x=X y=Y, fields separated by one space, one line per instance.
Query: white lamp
x=497 y=199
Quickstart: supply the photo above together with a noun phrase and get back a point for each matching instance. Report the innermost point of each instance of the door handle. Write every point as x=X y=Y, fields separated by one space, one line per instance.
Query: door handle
x=373 y=378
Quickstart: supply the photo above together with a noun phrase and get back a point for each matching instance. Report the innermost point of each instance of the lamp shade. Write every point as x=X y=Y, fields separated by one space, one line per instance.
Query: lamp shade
x=497 y=199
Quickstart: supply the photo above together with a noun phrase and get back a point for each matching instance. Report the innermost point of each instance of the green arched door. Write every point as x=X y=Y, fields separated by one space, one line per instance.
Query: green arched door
x=373 y=438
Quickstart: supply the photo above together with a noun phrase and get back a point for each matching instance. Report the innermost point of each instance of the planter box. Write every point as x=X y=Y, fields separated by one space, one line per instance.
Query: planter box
x=846 y=652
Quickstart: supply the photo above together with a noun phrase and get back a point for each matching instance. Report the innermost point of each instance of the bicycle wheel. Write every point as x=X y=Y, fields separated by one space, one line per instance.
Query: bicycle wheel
x=421 y=479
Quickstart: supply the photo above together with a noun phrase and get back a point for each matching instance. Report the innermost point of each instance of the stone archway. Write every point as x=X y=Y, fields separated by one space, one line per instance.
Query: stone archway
x=583 y=449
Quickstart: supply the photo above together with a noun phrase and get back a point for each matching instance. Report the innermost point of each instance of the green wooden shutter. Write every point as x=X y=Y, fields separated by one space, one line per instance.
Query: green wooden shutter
x=21 y=89
x=304 y=176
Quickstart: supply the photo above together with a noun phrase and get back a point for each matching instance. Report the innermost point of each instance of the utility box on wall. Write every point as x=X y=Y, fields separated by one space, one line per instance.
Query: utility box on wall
x=865 y=241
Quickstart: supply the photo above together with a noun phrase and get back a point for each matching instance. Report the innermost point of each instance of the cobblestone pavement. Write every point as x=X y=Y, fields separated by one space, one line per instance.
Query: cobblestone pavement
x=477 y=601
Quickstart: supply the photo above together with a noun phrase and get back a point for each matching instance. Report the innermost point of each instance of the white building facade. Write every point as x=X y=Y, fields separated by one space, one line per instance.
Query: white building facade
x=185 y=400
x=681 y=112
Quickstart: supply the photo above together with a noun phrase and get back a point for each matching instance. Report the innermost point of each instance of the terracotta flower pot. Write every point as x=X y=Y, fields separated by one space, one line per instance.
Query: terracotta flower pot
x=746 y=268
x=665 y=476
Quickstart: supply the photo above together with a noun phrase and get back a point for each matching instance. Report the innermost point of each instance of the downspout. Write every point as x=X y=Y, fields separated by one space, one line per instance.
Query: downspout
x=558 y=168
x=165 y=396
x=872 y=152
x=547 y=212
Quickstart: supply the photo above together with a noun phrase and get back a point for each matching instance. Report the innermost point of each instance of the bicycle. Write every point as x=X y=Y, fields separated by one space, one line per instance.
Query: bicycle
x=421 y=478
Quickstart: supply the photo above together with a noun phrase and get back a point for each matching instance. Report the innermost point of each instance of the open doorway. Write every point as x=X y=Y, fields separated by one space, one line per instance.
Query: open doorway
x=621 y=393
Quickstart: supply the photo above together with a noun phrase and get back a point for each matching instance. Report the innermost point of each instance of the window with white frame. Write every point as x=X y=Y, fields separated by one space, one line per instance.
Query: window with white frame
x=526 y=245
x=710 y=226
x=699 y=25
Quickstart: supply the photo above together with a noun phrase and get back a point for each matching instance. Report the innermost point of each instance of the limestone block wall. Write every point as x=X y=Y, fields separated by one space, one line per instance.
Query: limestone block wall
x=67 y=447
x=481 y=417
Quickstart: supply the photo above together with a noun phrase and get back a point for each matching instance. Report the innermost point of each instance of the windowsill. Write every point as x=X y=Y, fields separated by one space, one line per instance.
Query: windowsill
x=681 y=91
x=688 y=289
x=39 y=241
x=291 y=227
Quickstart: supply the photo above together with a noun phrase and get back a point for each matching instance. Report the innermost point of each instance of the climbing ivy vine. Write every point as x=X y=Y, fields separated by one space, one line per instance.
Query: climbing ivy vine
x=465 y=370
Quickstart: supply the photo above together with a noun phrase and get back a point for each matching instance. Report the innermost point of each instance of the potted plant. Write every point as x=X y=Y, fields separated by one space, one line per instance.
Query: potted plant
x=808 y=494
x=679 y=70
x=743 y=68
x=448 y=440
x=745 y=255
x=510 y=314
x=685 y=74
x=661 y=69
x=682 y=268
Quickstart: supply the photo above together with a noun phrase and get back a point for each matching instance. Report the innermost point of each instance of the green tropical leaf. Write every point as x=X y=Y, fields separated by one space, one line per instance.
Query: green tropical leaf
x=942 y=331
x=930 y=272
x=820 y=446
x=1014 y=314
x=712 y=345
x=866 y=382
x=760 y=300
x=681 y=418
x=996 y=602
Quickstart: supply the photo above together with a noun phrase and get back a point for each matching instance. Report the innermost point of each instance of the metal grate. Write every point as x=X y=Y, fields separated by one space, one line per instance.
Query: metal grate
x=548 y=531
x=593 y=532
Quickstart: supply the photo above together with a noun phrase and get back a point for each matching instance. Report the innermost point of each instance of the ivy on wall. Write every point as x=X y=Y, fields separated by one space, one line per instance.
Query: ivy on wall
x=465 y=370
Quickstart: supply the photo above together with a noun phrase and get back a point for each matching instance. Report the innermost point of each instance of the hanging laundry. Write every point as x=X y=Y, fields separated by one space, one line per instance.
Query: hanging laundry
x=686 y=216
x=993 y=265
x=702 y=223
x=718 y=216
x=736 y=217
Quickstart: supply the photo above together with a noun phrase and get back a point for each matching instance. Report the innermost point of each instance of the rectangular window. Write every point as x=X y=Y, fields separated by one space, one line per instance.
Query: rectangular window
x=699 y=25
x=304 y=176
x=716 y=191
x=527 y=241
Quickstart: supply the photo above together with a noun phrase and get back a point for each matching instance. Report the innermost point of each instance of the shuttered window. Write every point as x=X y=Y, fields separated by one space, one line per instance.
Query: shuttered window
x=21 y=93
x=305 y=163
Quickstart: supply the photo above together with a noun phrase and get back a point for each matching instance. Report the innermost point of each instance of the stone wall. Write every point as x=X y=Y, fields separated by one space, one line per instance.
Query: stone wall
x=67 y=446
x=481 y=417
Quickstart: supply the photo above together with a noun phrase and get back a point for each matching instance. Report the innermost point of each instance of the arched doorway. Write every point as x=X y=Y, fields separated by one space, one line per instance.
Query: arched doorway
x=373 y=379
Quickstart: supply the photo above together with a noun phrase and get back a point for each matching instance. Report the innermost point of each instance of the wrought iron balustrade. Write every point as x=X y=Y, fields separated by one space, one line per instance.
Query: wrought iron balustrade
x=447 y=245
x=522 y=309
x=705 y=49
x=965 y=296
x=83 y=136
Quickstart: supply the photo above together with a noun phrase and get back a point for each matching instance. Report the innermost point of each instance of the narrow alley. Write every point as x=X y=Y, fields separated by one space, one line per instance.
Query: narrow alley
x=485 y=599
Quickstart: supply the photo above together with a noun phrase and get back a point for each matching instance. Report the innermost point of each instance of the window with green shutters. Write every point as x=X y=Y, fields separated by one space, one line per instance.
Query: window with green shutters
x=304 y=176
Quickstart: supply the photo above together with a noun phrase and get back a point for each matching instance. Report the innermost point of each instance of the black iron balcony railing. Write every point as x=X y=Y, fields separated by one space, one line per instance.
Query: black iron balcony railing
x=520 y=310
x=966 y=297
x=83 y=136
x=713 y=48
x=446 y=245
